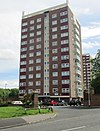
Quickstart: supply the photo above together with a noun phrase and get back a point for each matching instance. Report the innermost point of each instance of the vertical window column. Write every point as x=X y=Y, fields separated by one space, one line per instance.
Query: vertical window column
x=46 y=54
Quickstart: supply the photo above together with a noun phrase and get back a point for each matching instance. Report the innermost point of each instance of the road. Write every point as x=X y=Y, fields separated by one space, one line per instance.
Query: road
x=67 y=119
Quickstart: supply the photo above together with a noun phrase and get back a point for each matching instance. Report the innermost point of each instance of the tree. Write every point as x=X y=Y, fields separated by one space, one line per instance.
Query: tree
x=95 y=83
x=14 y=93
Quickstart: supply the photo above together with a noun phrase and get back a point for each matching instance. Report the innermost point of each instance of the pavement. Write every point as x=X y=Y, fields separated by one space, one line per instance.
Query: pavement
x=19 y=121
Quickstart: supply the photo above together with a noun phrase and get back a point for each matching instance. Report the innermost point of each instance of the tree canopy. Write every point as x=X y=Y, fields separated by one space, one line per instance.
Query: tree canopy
x=95 y=83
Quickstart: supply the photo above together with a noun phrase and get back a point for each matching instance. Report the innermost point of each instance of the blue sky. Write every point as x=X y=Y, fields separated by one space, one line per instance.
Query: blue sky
x=87 y=12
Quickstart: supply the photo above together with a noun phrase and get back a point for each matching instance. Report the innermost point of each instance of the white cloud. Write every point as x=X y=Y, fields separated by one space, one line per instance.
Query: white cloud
x=6 y=54
x=10 y=26
x=83 y=11
x=90 y=45
x=9 y=84
x=90 y=31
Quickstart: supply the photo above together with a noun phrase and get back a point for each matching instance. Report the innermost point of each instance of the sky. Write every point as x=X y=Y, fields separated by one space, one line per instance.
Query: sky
x=87 y=12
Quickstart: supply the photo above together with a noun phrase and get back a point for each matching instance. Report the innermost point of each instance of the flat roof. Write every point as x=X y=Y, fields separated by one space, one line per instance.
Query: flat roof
x=45 y=10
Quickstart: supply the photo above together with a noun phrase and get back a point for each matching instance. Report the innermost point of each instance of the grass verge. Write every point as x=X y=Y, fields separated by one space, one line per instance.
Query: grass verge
x=9 y=112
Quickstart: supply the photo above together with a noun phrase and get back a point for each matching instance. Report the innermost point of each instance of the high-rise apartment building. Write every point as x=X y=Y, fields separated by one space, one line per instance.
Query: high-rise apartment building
x=87 y=73
x=51 y=54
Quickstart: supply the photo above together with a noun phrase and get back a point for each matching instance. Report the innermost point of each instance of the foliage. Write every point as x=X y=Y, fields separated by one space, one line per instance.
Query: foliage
x=95 y=83
x=8 y=94
x=28 y=100
x=8 y=112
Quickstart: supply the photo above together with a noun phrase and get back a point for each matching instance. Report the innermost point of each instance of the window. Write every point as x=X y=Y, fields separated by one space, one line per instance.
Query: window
x=55 y=74
x=31 y=47
x=38 y=39
x=31 y=28
x=63 y=13
x=55 y=82
x=55 y=58
x=31 y=34
x=30 y=76
x=39 y=20
x=38 y=53
x=30 y=91
x=23 y=77
x=64 y=34
x=55 y=66
x=64 y=65
x=54 y=29
x=22 y=91
x=39 y=33
x=23 y=63
x=64 y=42
x=31 y=54
x=25 y=24
x=30 y=68
x=24 y=30
x=54 y=15
x=23 y=84
x=54 y=22
x=23 y=49
x=23 y=56
x=64 y=57
x=24 y=36
x=38 y=91
x=38 y=68
x=38 y=75
x=54 y=51
x=31 y=61
x=23 y=42
x=38 y=46
x=64 y=27
x=32 y=22
x=65 y=73
x=64 y=49
x=54 y=43
x=38 y=26
x=54 y=36
x=38 y=60
x=31 y=41
x=65 y=81
x=23 y=70
x=55 y=90
x=63 y=20
x=65 y=90
x=30 y=83
x=38 y=83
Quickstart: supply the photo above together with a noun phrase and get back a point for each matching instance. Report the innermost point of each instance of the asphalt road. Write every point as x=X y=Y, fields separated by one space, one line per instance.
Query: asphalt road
x=67 y=119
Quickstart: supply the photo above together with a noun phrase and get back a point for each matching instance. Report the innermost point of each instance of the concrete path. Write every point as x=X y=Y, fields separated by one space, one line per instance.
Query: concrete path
x=13 y=122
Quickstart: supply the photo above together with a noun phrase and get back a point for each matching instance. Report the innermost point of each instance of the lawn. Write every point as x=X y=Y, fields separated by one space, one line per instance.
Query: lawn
x=9 y=112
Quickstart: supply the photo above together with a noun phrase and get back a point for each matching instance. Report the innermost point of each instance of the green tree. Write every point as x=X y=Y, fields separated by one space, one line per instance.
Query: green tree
x=14 y=93
x=95 y=83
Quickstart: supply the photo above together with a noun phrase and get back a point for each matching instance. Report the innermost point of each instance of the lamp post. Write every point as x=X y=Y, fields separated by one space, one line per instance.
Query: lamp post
x=5 y=90
x=89 y=103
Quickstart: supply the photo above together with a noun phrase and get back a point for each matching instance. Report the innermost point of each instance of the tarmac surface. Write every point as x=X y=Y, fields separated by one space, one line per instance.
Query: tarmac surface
x=19 y=121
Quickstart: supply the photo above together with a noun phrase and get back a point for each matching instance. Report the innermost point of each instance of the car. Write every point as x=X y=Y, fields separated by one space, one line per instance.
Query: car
x=17 y=103
x=75 y=102
x=62 y=103
x=53 y=102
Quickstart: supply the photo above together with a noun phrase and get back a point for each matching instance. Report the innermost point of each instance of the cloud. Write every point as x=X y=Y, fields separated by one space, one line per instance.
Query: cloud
x=90 y=31
x=9 y=84
x=7 y=54
x=90 y=45
x=83 y=11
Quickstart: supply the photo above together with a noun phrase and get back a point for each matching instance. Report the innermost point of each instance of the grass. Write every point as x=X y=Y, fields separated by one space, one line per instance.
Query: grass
x=9 y=112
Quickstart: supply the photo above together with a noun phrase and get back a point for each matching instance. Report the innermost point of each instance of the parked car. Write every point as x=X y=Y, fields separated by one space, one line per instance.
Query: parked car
x=74 y=102
x=62 y=103
x=17 y=103
x=54 y=103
